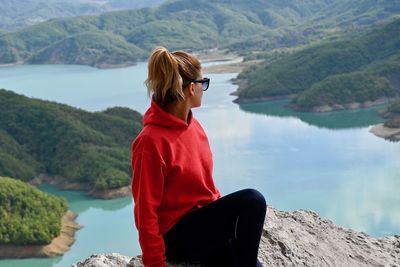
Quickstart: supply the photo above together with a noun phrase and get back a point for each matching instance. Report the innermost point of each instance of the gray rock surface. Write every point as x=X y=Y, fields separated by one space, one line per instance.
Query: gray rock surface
x=302 y=238
x=299 y=238
x=100 y=260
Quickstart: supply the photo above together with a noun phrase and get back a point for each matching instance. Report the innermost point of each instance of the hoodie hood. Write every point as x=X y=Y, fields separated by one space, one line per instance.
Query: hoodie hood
x=155 y=115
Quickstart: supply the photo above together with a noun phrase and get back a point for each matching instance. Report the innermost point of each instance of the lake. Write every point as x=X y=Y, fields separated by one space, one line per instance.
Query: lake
x=328 y=163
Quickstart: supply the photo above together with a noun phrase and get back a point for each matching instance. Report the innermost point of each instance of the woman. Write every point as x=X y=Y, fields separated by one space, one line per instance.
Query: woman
x=179 y=213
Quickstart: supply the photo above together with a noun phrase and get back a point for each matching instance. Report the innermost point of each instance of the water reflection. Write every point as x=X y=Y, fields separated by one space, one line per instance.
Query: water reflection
x=365 y=202
x=30 y=262
x=359 y=118
x=79 y=202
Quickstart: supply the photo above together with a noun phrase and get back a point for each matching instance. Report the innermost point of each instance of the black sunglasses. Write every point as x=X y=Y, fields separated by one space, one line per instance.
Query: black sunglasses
x=205 y=82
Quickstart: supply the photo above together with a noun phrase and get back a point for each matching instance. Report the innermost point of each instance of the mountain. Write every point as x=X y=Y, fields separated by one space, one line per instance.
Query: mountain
x=65 y=143
x=17 y=14
x=28 y=215
x=93 y=48
x=238 y=25
x=360 y=69
x=290 y=23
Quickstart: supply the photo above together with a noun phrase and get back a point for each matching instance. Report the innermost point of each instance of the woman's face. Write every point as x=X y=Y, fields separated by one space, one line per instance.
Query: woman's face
x=197 y=92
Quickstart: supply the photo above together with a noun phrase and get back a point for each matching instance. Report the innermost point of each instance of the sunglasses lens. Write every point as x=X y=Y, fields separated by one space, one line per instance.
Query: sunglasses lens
x=205 y=85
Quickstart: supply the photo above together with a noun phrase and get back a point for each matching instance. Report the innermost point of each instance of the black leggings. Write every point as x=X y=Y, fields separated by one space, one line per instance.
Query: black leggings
x=226 y=232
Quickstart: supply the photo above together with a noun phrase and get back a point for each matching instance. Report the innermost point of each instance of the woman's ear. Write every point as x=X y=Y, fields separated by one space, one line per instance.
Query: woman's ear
x=191 y=89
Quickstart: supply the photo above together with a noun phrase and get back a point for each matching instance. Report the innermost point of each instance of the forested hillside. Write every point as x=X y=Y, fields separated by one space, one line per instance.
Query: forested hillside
x=349 y=70
x=41 y=137
x=17 y=14
x=243 y=26
x=28 y=216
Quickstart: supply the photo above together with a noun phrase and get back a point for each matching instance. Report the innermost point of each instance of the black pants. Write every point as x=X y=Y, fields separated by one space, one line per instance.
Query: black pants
x=226 y=232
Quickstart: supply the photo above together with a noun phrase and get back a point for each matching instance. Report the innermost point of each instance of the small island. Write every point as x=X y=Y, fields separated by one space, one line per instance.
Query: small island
x=33 y=223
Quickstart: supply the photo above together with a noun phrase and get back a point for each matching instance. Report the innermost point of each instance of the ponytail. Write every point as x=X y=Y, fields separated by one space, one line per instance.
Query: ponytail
x=169 y=73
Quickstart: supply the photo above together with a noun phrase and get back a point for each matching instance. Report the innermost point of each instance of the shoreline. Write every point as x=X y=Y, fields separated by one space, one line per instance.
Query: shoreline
x=107 y=66
x=58 y=246
x=214 y=55
x=379 y=130
x=99 y=194
x=338 y=107
x=318 y=109
x=230 y=62
x=111 y=193
x=260 y=99
x=205 y=56
x=5 y=65
x=235 y=67
x=382 y=131
x=101 y=66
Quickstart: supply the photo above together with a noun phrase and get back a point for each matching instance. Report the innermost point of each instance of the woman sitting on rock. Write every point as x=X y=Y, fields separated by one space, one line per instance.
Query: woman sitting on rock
x=179 y=213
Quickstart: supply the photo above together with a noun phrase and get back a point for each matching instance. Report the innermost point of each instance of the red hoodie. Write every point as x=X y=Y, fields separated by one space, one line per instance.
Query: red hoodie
x=172 y=173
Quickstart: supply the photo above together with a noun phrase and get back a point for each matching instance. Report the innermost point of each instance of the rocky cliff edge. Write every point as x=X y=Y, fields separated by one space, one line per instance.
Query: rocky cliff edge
x=299 y=238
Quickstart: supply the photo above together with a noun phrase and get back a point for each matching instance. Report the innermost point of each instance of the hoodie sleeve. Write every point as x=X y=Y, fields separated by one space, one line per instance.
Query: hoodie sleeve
x=147 y=191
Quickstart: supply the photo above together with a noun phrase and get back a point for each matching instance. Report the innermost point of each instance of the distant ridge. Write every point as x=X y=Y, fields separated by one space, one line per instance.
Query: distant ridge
x=125 y=37
x=17 y=14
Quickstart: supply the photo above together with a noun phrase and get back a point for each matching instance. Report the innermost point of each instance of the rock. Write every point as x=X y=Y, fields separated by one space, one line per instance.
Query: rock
x=99 y=260
x=111 y=193
x=299 y=238
x=381 y=130
x=302 y=238
x=137 y=262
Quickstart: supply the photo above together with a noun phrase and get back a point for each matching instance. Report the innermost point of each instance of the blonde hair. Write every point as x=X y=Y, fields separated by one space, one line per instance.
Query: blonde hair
x=169 y=73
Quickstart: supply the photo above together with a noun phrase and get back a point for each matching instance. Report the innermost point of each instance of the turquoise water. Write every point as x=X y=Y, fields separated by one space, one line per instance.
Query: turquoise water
x=328 y=162
x=108 y=225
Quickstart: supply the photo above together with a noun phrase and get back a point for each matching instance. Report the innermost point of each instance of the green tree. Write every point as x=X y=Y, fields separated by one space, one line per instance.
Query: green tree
x=28 y=216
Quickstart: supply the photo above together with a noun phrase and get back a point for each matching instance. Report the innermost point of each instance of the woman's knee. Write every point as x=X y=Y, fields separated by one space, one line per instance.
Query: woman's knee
x=254 y=197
